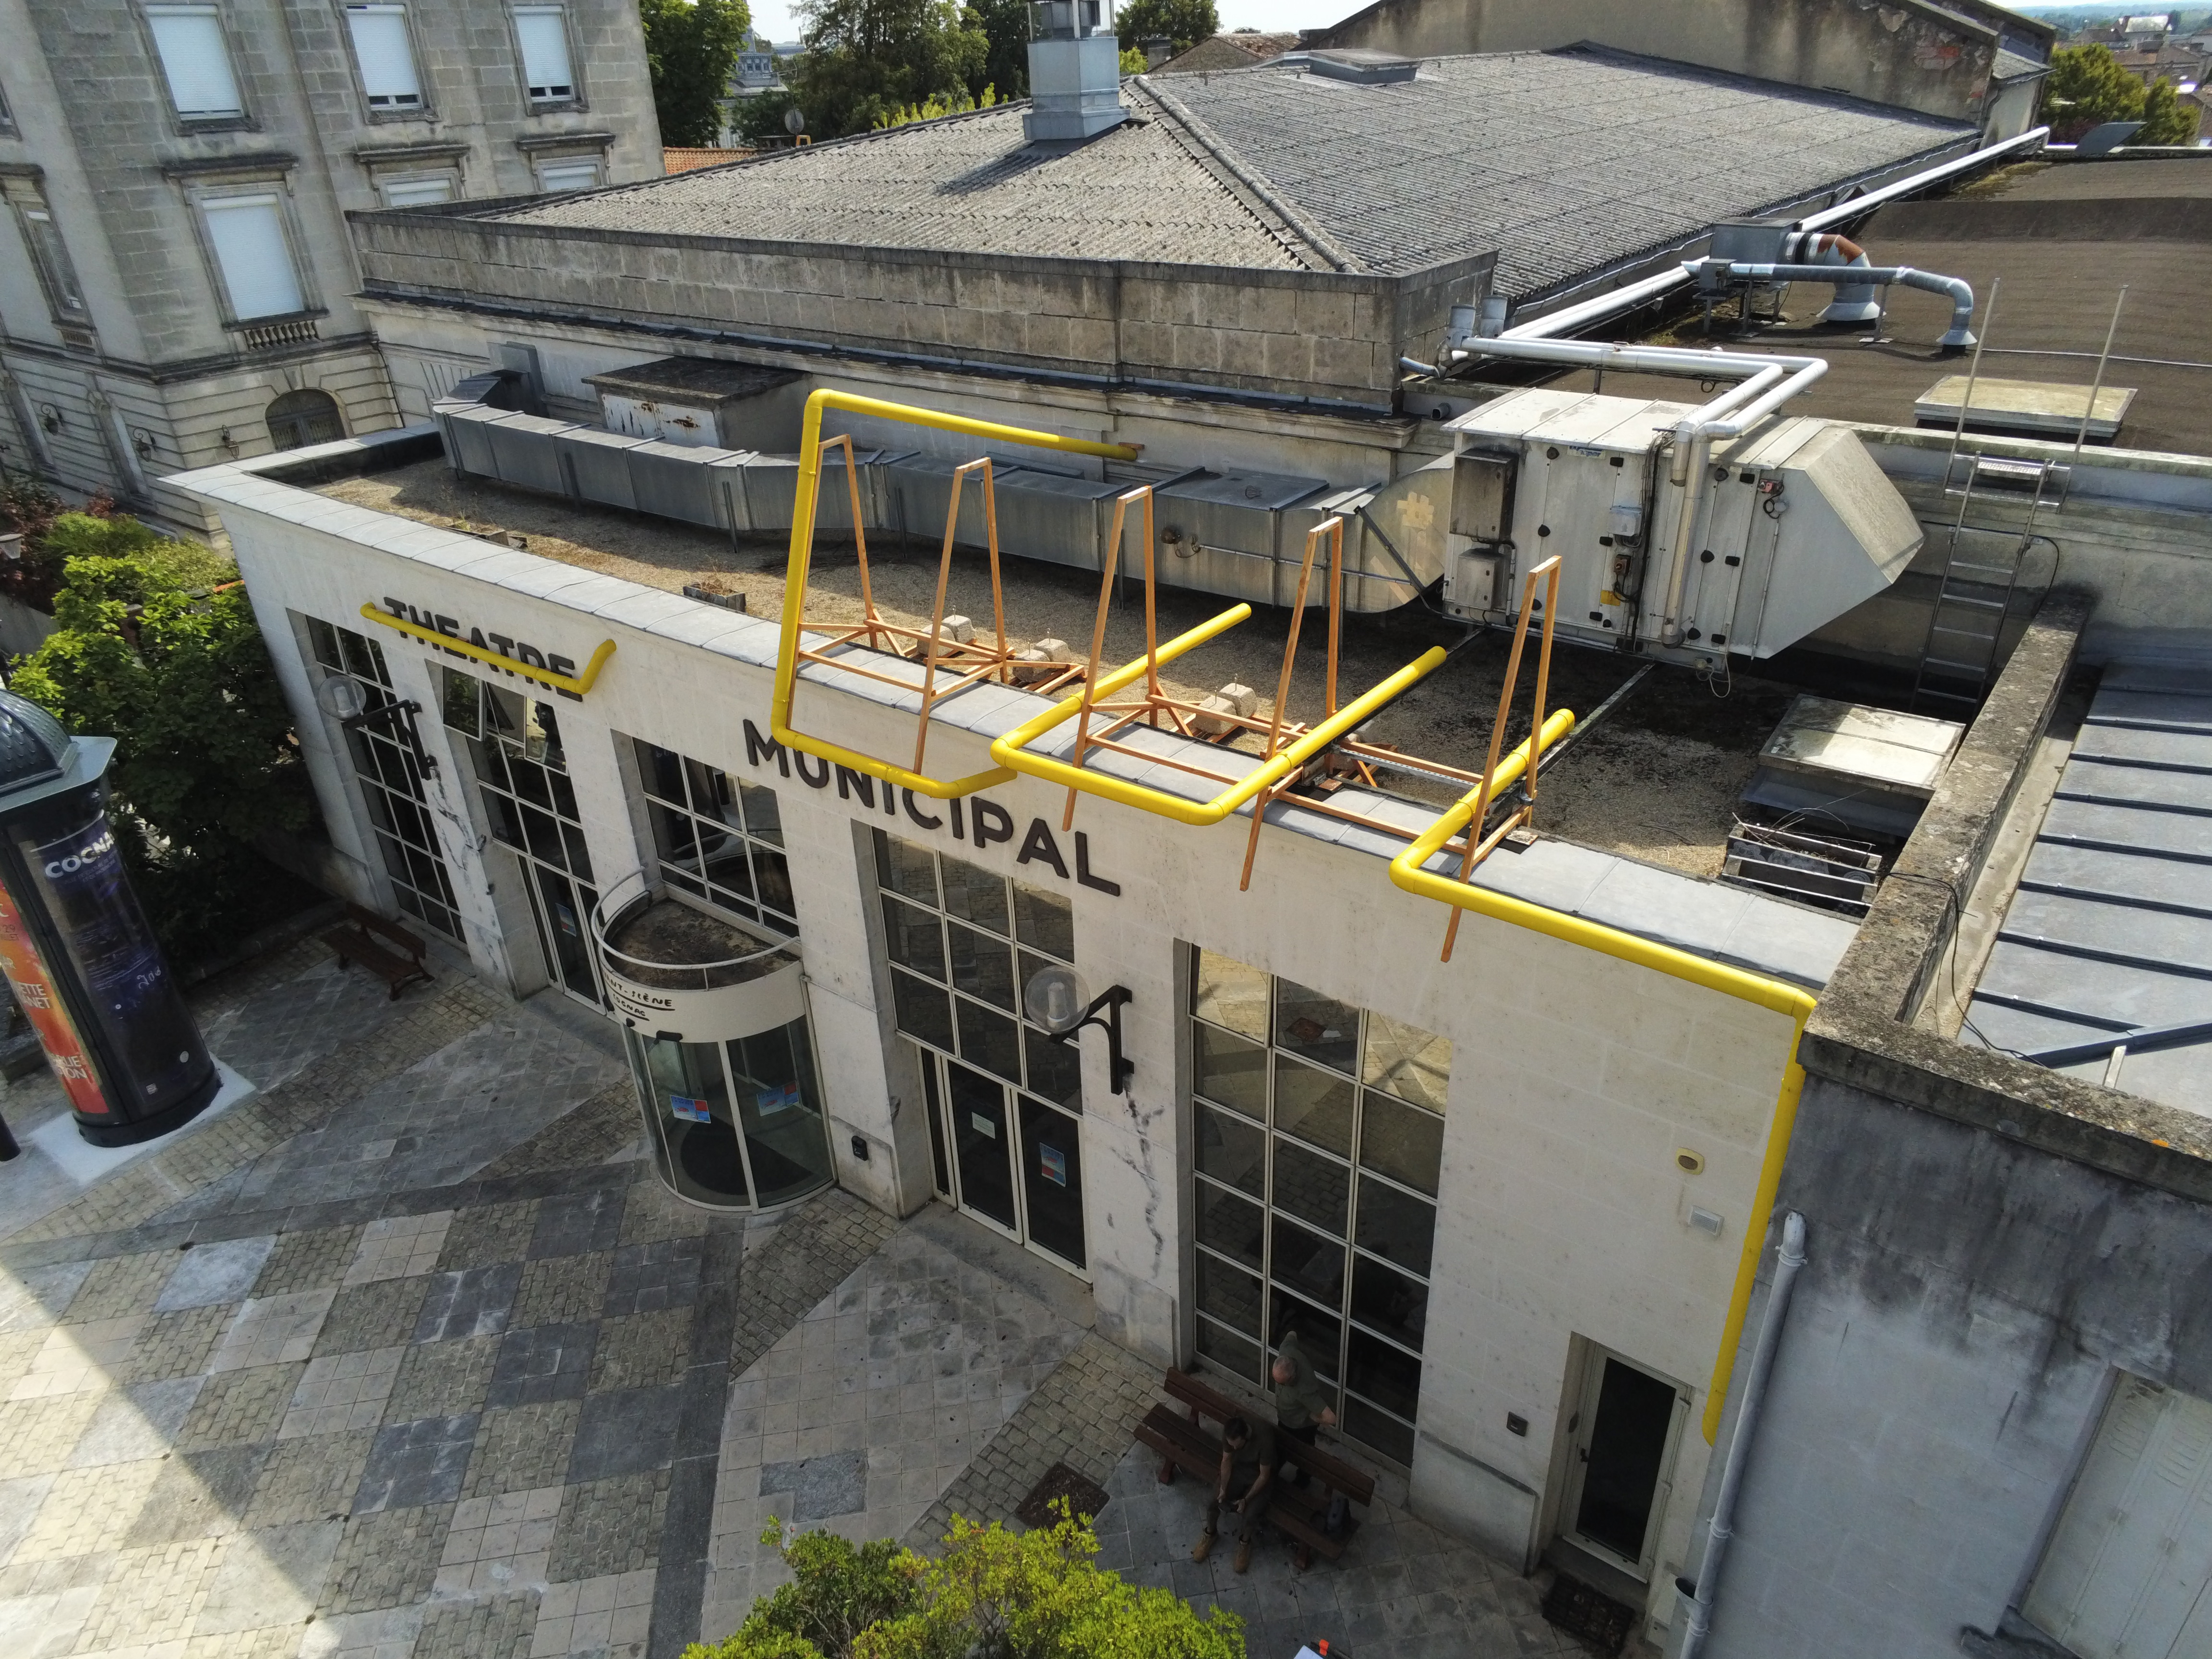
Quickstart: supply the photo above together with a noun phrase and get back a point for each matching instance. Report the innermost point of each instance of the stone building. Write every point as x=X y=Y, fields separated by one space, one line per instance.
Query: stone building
x=176 y=287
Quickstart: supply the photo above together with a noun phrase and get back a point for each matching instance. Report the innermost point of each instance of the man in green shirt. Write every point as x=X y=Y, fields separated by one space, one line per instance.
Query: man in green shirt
x=1301 y=1403
x=1246 y=1485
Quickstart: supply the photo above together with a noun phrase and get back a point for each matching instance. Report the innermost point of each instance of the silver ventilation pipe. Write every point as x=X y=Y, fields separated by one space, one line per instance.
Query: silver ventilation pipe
x=1765 y=384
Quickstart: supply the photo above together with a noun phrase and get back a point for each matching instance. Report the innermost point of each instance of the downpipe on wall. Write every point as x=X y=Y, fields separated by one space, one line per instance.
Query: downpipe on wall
x=1698 y=1599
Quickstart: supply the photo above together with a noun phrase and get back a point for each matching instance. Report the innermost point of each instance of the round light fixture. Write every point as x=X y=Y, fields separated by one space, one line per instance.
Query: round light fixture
x=1056 y=999
x=340 y=697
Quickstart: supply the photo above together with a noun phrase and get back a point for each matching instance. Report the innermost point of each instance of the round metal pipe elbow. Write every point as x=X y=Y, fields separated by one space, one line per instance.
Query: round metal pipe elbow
x=1962 y=300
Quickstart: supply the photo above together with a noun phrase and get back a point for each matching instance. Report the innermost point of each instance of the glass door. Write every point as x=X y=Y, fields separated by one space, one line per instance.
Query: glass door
x=1004 y=1156
x=1623 y=1438
x=738 y=1124
x=983 y=1145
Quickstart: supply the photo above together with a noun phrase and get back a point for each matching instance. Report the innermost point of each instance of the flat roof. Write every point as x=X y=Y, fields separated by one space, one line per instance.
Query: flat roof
x=1563 y=163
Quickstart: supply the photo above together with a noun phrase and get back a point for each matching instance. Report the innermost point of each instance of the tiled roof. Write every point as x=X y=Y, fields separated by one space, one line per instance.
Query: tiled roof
x=969 y=181
x=1563 y=163
x=2012 y=65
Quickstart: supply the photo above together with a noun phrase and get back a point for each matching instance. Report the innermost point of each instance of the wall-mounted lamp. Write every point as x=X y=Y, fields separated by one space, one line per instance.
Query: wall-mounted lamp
x=229 y=443
x=342 y=697
x=144 y=442
x=1057 y=999
x=50 y=417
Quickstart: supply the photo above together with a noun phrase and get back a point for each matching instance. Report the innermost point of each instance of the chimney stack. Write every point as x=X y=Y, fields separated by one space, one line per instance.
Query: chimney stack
x=1075 y=71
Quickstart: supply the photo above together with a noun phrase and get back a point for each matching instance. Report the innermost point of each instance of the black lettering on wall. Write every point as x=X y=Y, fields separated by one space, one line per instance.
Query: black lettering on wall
x=1083 y=868
x=758 y=749
x=958 y=832
x=476 y=638
x=851 y=783
x=447 y=625
x=815 y=777
x=529 y=655
x=915 y=813
x=992 y=823
x=562 y=665
x=504 y=647
x=1039 y=844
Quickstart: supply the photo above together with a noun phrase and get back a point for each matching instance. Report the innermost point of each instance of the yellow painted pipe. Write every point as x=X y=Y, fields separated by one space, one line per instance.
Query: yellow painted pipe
x=578 y=684
x=1406 y=871
x=802 y=552
x=1010 y=750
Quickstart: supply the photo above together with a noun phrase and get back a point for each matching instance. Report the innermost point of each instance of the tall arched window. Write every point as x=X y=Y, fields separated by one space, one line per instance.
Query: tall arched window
x=300 y=418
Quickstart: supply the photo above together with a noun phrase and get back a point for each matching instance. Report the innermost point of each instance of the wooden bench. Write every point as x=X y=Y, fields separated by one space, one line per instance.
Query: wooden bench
x=384 y=948
x=1187 y=1445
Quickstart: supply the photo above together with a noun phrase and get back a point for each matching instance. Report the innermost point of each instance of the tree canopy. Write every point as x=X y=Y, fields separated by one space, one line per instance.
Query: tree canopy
x=1030 y=1595
x=690 y=48
x=2087 y=88
x=2165 y=119
x=867 y=59
x=1006 y=25
x=1185 y=22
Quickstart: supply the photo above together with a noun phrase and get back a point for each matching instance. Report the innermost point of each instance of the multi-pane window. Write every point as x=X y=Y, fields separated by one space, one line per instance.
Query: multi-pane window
x=195 y=61
x=247 y=234
x=570 y=174
x=419 y=192
x=386 y=57
x=717 y=839
x=541 y=31
x=1317 y=1131
x=391 y=784
x=522 y=774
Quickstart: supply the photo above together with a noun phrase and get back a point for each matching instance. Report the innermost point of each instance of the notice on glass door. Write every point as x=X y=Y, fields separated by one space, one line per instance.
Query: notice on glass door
x=691 y=1110
x=773 y=1101
x=985 y=1126
x=1052 y=1164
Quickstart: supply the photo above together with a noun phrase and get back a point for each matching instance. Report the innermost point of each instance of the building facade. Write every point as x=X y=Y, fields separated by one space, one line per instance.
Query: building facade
x=177 y=281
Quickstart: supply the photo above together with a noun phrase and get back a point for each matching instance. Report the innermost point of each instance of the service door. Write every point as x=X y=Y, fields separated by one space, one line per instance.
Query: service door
x=1623 y=1439
x=2126 y=1574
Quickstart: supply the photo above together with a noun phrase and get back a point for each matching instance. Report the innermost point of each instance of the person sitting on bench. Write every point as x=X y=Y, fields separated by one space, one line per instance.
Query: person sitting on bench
x=1247 y=1468
x=1301 y=1405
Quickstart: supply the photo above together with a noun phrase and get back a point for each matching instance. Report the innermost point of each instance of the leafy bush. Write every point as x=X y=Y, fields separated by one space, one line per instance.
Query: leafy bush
x=993 y=1595
x=154 y=650
x=935 y=107
x=28 y=507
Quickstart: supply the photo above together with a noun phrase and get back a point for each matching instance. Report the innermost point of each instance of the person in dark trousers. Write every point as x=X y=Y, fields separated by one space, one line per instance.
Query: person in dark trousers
x=1247 y=1470
x=1301 y=1403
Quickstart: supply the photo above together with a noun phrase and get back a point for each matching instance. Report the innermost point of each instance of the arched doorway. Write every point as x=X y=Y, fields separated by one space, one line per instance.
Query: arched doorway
x=300 y=418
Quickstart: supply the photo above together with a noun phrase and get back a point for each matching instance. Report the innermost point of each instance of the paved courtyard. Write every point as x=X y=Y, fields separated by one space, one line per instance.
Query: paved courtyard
x=407 y=1355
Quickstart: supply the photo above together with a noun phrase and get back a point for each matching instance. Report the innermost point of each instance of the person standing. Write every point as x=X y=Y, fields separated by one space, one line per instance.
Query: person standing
x=1247 y=1470
x=1301 y=1405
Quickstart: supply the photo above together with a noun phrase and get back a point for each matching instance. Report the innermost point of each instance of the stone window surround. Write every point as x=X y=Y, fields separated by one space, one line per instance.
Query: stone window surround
x=539 y=147
x=428 y=109
x=6 y=115
x=23 y=185
x=390 y=163
x=580 y=99
x=186 y=126
x=200 y=181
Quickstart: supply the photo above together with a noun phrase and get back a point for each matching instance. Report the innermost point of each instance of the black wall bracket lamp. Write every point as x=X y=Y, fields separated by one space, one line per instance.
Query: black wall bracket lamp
x=343 y=696
x=1057 y=999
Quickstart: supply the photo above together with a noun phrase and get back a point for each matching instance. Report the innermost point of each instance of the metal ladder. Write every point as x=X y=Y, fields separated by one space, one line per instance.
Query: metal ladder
x=1966 y=629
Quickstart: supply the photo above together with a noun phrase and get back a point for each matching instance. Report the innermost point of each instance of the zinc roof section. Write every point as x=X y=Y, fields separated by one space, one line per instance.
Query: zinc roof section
x=967 y=182
x=1563 y=162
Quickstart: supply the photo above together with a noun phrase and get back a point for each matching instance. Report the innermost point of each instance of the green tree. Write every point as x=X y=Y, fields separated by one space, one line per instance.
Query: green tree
x=2087 y=88
x=868 y=58
x=993 y=1594
x=691 y=47
x=762 y=116
x=1006 y=25
x=158 y=648
x=2165 y=119
x=1185 y=22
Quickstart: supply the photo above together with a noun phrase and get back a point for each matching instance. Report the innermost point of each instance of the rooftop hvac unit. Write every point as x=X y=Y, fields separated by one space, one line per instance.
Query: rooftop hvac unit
x=1791 y=524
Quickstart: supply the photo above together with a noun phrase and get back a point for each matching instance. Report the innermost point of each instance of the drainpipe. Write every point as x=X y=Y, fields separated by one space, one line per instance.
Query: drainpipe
x=1767 y=383
x=1698 y=1601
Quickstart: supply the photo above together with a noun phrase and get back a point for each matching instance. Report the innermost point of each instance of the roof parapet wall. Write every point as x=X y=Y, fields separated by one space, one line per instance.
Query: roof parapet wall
x=1863 y=1032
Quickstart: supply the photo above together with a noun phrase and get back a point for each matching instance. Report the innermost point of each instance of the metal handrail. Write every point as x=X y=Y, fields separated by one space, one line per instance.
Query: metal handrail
x=607 y=915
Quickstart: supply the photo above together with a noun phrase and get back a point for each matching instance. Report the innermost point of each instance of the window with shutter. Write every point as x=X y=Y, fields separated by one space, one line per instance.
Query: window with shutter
x=544 y=33
x=247 y=235
x=417 y=193
x=196 y=60
x=52 y=261
x=386 y=58
x=568 y=175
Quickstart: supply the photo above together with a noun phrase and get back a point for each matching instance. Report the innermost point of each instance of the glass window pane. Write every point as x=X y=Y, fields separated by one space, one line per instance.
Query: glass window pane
x=902 y=867
x=989 y=1039
x=924 y=1011
x=1230 y=1224
x=1314 y=1105
x=975 y=895
x=1311 y=1187
x=323 y=639
x=1411 y=1063
x=772 y=880
x=1055 y=1068
x=914 y=938
x=1390 y=1301
x=711 y=794
x=362 y=657
x=1316 y=1027
x=940 y=1167
x=1320 y=1331
x=506 y=713
x=1045 y=921
x=691 y=1112
x=459 y=705
x=779 y=1109
x=982 y=965
x=1229 y=1294
x=662 y=770
x=1051 y=1179
x=675 y=837
x=580 y=856
x=1390 y=1376
x=542 y=831
x=1230 y=1070
x=1232 y=1353
x=1307 y=1263
x=1393 y=1439
x=1230 y=1149
x=1230 y=994
x=543 y=737
x=763 y=818
x=1403 y=1142
x=529 y=780
x=564 y=795
x=722 y=858
x=1395 y=1225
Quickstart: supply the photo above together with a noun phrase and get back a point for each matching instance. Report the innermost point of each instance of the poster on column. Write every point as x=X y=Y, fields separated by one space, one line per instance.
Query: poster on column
x=33 y=985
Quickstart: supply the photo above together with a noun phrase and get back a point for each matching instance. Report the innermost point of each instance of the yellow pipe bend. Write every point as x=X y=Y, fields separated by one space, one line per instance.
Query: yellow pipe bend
x=578 y=684
x=802 y=551
x=1011 y=749
x=1407 y=872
